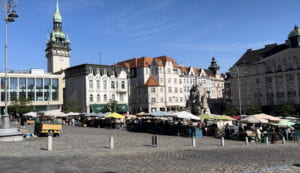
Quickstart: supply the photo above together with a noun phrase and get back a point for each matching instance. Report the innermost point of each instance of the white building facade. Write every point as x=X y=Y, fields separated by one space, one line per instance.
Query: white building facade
x=93 y=86
x=160 y=84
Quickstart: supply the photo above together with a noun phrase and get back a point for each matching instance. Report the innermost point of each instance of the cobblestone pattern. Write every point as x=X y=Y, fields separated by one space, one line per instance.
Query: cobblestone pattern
x=86 y=150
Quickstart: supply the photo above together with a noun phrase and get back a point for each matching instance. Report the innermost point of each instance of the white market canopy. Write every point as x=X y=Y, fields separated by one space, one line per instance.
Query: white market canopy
x=253 y=120
x=54 y=113
x=72 y=113
x=185 y=115
x=31 y=114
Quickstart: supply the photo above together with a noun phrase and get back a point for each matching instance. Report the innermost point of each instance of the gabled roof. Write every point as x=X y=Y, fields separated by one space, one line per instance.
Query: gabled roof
x=252 y=56
x=151 y=82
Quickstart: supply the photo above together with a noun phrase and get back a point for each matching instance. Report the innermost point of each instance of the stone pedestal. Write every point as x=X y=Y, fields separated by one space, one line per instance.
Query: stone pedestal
x=10 y=135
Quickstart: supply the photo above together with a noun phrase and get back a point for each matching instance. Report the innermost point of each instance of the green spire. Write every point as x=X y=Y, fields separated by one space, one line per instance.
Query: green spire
x=57 y=17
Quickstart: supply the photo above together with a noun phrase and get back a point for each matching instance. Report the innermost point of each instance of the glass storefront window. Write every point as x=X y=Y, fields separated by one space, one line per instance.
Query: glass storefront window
x=47 y=86
x=39 y=89
x=30 y=89
x=55 y=89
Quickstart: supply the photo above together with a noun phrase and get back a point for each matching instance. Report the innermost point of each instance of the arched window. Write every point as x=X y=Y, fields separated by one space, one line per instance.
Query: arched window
x=105 y=84
x=98 y=84
x=98 y=98
x=91 y=98
x=105 y=97
x=123 y=85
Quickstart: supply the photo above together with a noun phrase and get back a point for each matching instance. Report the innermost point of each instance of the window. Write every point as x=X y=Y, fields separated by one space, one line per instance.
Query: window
x=161 y=100
x=169 y=70
x=161 y=90
x=180 y=81
x=175 y=80
x=180 y=90
x=170 y=89
x=98 y=84
x=279 y=68
x=91 y=98
x=39 y=89
x=105 y=84
x=105 y=97
x=161 y=80
x=181 y=99
x=22 y=88
x=90 y=70
x=152 y=90
x=170 y=99
x=152 y=100
x=121 y=97
x=91 y=84
x=176 y=90
x=112 y=84
x=55 y=89
x=257 y=81
x=123 y=85
x=169 y=80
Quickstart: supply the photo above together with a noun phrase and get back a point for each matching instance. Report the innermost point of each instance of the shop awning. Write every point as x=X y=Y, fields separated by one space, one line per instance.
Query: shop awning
x=122 y=108
x=97 y=108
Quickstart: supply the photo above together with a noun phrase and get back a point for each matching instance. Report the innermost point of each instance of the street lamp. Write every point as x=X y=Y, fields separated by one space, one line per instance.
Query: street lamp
x=10 y=16
x=239 y=91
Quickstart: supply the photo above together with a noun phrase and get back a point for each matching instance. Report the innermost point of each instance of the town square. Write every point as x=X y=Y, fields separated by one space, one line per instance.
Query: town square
x=150 y=86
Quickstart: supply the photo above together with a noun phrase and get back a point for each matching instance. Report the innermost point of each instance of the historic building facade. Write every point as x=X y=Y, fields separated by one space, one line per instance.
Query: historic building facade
x=92 y=86
x=160 y=84
x=57 y=47
x=43 y=90
x=267 y=76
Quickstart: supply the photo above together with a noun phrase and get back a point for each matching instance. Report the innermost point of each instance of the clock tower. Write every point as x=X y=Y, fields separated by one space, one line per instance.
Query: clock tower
x=58 y=47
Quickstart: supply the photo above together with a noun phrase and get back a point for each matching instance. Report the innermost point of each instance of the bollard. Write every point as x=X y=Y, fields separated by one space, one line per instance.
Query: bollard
x=49 y=142
x=222 y=141
x=193 y=141
x=283 y=140
x=111 y=142
x=267 y=140
x=246 y=141
x=154 y=141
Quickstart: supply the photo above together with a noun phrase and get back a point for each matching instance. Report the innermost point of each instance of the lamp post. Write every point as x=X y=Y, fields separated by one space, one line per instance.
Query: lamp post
x=10 y=16
x=239 y=92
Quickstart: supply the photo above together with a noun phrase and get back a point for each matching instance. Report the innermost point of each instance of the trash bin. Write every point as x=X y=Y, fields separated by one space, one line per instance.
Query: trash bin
x=198 y=133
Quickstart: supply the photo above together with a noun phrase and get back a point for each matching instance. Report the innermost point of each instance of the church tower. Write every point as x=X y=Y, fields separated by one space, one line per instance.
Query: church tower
x=58 y=46
x=214 y=67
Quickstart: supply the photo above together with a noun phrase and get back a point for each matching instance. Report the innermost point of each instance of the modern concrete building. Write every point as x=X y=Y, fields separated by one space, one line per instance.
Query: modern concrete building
x=92 y=86
x=267 y=76
x=161 y=84
x=43 y=90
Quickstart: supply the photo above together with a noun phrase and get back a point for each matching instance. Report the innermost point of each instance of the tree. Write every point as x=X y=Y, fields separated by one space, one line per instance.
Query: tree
x=20 y=106
x=70 y=106
x=284 y=110
x=228 y=109
x=112 y=106
x=253 y=109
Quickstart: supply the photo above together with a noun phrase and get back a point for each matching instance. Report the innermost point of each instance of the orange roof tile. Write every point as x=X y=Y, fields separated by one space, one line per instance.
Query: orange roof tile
x=151 y=82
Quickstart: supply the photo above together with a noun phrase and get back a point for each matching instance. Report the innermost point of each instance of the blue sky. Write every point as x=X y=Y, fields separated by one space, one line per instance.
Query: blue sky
x=190 y=31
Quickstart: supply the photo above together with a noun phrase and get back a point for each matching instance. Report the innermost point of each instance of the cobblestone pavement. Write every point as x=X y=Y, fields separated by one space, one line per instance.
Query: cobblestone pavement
x=86 y=150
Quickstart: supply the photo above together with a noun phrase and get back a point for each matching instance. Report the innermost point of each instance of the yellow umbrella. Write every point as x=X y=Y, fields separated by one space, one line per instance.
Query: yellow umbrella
x=114 y=115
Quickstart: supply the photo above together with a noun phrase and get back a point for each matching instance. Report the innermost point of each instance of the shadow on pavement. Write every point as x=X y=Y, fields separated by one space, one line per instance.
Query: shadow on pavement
x=296 y=164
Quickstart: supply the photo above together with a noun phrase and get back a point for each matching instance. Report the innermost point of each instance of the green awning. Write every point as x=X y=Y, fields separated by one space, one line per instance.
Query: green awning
x=97 y=108
x=122 y=108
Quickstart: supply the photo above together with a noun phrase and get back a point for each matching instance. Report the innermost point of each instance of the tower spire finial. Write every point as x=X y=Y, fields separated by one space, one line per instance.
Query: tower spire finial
x=57 y=17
